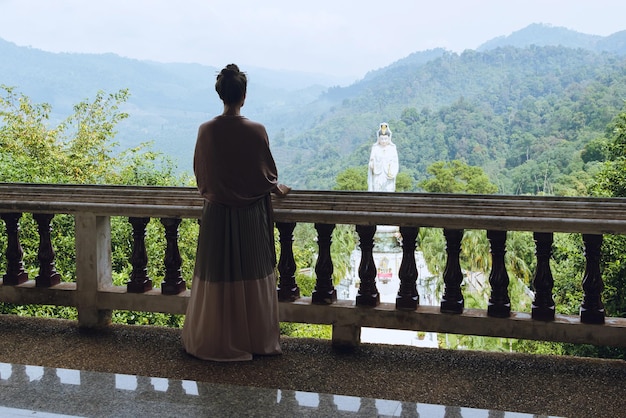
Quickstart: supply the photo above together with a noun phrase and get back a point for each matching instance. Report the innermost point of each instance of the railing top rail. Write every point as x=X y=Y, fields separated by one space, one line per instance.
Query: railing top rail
x=527 y=213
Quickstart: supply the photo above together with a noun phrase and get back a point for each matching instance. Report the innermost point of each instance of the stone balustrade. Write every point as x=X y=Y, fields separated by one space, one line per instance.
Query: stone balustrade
x=95 y=297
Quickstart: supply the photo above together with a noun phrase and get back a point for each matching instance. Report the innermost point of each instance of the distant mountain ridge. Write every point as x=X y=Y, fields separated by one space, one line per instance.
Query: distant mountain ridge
x=540 y=34
x=168 y=101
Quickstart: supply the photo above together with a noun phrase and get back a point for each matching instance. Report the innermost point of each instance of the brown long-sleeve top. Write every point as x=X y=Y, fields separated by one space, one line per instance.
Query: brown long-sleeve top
x=232 y=161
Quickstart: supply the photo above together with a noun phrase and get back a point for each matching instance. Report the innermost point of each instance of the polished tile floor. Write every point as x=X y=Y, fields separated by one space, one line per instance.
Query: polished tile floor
x=35 y=391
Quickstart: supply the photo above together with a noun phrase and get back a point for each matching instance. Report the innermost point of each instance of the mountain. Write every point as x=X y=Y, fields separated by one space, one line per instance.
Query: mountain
x=520 y=104
x=441 y=105
x=167 y=101
x=613 y=43
x=500 y=109
x=539 y=34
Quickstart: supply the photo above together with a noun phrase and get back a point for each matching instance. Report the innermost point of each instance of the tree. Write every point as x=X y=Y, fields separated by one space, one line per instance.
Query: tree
x=404 y=182
x=77 y=150
x=457 y=177
x=352 y=178
x=595 y=150
x=80 y=150
x=611 y=181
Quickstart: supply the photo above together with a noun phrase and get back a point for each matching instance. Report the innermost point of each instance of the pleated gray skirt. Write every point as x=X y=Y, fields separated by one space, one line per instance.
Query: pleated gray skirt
x=233 y=308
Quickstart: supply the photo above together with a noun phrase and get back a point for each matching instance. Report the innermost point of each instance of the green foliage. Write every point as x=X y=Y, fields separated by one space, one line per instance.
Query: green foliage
x=568 y=265
x=306 y=284
x=39 y=311
x=611 y=181
x=614 y=272
x=344 y=240
x=520 y=256
x=524 y=115
x=292 y=329
x=477 y=292
x=405 y=182
x=352 y=178
x=596 y=150
x=148 y=318
x=475 y=251
x=538 y=347
x=467 y=342
x=433 y=246
x=80 y=150
x=305 y=251
x=568 y=250
x=305 y=255
x=587 y=350
x=122 y=246
x=140 y=166
x=304 y=248
x=457 y=177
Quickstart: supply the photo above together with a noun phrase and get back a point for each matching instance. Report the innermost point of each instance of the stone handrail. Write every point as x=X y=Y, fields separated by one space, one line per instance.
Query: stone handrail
x=95 y=296
x=521 y=213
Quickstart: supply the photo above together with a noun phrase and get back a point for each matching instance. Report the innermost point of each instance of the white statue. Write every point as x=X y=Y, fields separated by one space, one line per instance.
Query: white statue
x=383 y=165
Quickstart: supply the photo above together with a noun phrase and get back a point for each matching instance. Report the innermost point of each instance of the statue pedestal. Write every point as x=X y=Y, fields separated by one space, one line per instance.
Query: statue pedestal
x=387 y=239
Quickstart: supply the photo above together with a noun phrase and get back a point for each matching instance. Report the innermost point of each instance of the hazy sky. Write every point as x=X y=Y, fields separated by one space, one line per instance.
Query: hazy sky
x=342 y=37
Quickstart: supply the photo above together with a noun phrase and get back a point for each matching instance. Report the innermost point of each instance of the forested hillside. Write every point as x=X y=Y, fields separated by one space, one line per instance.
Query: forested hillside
x=166 y=102
x=527 y=107
x=523 y=114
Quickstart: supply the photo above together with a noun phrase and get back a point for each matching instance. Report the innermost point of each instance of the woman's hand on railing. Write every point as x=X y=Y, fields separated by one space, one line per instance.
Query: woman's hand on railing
x=281 y=190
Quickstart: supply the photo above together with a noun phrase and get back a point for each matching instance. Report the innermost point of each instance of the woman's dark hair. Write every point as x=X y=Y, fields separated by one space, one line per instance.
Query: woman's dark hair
x=231 y=84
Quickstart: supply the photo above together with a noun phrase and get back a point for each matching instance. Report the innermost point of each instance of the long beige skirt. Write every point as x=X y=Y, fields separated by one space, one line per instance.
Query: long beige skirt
x=233 y=307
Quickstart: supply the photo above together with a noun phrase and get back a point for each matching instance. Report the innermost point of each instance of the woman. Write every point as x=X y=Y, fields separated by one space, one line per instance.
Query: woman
x=233 y=308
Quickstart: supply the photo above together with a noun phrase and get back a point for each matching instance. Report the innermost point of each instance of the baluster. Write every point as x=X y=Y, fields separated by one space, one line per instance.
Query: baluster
x=326 y=406
x=47 y=273
x=325 y=292
x=288 y=289
x=592 y=309
x=408 y=298
x=50 y=380
x=452 y=412
x=173 y=283
x=15 y=266
x=139 y=280
x=499 y=302
x=543 y=282
x=368 y=293
x=288 y=403
x=175 y=389
x=18 y=376
x=368 y=408
x=452 y=300
x=144 y=385
x=409 y=410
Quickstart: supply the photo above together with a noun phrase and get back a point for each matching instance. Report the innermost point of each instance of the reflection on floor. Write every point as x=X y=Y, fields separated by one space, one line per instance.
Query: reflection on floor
x=36 y=391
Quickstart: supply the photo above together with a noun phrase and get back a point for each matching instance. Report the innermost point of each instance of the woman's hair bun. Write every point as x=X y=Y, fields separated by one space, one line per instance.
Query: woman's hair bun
x=231 y=84
x=230 y=70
